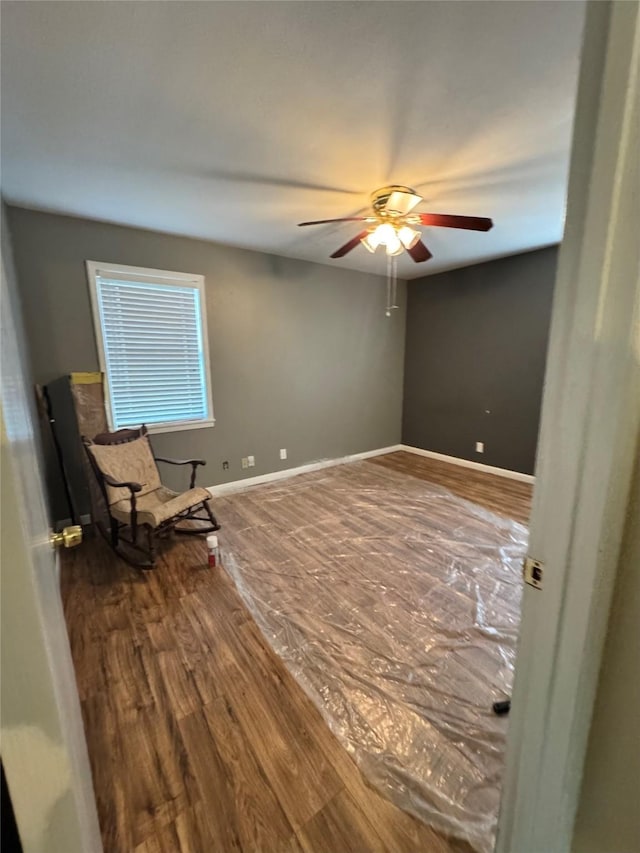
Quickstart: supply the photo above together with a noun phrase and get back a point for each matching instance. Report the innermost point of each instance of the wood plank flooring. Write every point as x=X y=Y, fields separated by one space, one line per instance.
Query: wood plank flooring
x=504 y=496
x=199 y=739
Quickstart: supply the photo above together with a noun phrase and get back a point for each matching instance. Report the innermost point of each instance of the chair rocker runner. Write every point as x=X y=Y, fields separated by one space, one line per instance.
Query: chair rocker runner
x=138 y=505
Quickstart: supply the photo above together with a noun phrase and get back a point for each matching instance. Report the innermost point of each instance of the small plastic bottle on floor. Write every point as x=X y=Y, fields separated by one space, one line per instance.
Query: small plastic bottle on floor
x=214 y=551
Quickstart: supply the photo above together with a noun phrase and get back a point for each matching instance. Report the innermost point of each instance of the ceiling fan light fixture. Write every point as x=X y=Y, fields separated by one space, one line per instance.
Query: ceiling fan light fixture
x=385 y=233
x=393 y=245
x=408 y=236
x=370 y=242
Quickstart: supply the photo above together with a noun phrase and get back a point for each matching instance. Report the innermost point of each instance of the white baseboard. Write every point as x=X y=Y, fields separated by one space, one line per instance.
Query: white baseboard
x=238 y=485
x=467 y=463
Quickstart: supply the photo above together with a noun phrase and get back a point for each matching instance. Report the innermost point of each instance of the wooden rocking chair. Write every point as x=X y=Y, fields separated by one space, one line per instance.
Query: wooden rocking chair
x=135 y=498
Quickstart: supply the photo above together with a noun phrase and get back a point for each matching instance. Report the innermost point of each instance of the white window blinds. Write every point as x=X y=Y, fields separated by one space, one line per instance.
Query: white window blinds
x=153 y=349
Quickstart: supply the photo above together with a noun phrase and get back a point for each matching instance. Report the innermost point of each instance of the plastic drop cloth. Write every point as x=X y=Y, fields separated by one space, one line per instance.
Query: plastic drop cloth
x=396 y=606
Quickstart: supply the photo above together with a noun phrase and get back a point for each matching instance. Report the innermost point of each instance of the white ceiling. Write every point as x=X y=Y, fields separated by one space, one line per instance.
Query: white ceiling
x=233 y=121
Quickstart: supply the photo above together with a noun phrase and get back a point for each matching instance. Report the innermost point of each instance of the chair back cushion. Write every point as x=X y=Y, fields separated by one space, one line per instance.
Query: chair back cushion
x=130 y=462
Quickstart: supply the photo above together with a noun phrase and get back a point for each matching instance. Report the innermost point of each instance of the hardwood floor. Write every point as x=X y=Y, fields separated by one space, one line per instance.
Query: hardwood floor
x=199 y=738
x=510 y=498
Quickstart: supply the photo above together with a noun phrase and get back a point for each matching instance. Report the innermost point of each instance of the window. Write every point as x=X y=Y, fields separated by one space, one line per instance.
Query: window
x=151 y=331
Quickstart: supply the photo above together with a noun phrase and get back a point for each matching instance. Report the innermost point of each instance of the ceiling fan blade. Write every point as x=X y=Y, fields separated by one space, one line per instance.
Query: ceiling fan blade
x=419 y=252
x=444 y=220
x=343 y=250
x=346 y=219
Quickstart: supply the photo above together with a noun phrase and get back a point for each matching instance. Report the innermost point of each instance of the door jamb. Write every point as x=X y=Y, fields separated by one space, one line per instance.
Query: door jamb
x=589 y=430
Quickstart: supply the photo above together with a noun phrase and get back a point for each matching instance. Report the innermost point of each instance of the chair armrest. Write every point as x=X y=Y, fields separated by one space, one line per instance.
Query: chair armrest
x=193 y=462
x=135 y=487
x=180 y=461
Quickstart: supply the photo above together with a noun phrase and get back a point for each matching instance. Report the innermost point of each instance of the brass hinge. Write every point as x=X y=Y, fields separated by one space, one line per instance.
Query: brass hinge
x=532 y=572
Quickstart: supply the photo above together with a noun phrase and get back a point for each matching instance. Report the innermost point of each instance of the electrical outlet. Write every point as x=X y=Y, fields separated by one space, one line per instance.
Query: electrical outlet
x=283 y=453
x=245 y=462
x=251 y=461
x=479 y=446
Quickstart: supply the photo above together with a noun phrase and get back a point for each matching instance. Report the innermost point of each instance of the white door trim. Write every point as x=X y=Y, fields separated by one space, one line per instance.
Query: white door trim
x=590 y=424
x=44 y=750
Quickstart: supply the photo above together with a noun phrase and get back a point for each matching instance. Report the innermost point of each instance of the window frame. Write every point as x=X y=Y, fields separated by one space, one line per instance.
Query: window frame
x=96 y=269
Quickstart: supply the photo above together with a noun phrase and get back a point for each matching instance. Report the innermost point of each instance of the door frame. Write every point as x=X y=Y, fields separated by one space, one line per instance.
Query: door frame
x=44 y=751
x=588 y=443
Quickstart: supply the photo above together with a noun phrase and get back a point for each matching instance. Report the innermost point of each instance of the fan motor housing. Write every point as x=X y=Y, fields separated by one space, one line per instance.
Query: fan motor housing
x=380 y=197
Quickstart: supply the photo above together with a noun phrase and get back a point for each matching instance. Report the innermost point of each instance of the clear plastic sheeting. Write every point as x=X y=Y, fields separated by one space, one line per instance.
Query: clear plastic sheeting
x=396 y=606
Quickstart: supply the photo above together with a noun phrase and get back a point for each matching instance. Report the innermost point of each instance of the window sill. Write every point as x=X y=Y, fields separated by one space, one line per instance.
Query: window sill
x=177 y=427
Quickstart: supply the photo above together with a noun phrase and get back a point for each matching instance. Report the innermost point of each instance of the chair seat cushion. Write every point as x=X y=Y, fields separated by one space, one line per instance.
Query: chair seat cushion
x=159 y=505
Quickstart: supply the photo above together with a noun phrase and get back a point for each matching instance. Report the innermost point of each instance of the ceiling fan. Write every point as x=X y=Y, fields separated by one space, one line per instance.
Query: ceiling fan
x=391 y=224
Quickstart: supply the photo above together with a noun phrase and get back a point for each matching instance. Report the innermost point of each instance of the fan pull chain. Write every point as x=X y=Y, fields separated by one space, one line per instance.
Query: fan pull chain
x=392 y=284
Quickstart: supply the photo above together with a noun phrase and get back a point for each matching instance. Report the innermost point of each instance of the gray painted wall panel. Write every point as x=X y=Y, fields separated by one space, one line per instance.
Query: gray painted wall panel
x=476 y=344
x=302 y=355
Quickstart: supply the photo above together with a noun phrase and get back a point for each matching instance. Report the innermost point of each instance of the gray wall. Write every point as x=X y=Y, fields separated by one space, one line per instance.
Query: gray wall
x=302 y=355
x=476 y=344
x=608 y=819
